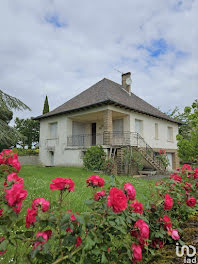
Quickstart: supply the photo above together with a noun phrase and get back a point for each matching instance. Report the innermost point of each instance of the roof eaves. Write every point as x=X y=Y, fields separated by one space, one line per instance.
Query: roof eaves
x=105 y=102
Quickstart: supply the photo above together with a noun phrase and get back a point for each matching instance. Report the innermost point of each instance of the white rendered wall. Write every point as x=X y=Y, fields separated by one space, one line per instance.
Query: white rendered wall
x=149 y=131
x=72 y=156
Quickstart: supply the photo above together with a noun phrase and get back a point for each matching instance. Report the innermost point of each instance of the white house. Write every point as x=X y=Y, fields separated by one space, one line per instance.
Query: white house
x=108 y=114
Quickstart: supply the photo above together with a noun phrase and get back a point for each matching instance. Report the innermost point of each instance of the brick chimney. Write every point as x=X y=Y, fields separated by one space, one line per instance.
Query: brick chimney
x=126 y=81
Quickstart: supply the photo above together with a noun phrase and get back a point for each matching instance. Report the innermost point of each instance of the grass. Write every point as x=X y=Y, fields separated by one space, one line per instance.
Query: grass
x=37 y=180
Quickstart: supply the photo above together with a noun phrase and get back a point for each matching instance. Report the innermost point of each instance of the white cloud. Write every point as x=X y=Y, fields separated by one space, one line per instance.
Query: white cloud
x=38 y=58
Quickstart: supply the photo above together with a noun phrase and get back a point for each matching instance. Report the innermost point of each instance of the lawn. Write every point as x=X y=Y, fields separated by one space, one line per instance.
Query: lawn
x=37 y=180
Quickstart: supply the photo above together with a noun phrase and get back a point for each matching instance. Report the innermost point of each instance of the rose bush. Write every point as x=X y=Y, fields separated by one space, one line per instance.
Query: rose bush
x=117 y=229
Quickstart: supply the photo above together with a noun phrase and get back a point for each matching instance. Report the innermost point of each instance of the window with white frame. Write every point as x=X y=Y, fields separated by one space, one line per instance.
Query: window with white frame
x=156 y=131
x=53 y=130
x=170 y=133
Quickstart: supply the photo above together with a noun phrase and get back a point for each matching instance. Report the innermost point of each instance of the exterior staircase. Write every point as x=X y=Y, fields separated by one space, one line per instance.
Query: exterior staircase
x=153 y=161
x=148 y=154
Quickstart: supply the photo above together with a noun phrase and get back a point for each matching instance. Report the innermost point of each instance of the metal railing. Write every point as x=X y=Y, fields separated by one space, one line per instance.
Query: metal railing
x=141 y=143
x=85 y=140
x=114 y=139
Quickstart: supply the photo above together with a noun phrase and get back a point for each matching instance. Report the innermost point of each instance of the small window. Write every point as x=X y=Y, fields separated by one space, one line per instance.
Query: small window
x=170 y=134
x=139 y=126
x=53 y=130
x=156 y=131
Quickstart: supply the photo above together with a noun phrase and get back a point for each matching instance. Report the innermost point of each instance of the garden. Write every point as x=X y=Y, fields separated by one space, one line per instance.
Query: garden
x=69 y=215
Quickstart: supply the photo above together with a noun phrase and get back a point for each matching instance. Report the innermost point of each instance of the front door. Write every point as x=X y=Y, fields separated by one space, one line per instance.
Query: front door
x=93 y=134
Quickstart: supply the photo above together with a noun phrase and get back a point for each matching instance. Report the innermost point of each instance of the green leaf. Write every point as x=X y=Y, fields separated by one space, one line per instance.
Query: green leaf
x=4 y=245
x=89 y=243
x=89 y=202
x=104 y=259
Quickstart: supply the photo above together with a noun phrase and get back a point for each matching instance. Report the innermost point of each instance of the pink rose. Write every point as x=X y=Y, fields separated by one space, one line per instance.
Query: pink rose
x=137 y=207
x=186 y=167
x=44 y=235
x=78 y=241
x=30 y=217
x=99 y=195
x=69 y=230
x=196 y=173
x=175 y=235
x=44 y=204
x=95 y=181
x=166 y=221
x=130 y=191
x=187 y=187
x=72 y=217
x=62 y=184
x=15 y=196
x=15 y=164
x=175 y=177
x=1 y=212
x=143 y=229
x=162 y=151
x=168 y=203
x=191 y=202
x=117 y=200
x=15 y=178
x=137 y=252
x=157 y=243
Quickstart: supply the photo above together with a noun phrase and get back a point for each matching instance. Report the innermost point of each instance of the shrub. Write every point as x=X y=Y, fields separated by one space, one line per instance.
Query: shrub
x=94 y=158
x=25 y=152
x=116 y=230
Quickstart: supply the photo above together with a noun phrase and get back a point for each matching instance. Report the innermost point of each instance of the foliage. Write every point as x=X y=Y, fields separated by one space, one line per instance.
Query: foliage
x=188 y=148
x=46 y=106
x=25 y=152
x=109 y=166
x=94 y=158
x=29 y=128
x=188 y=132
x=132 y=158
x=137 y=160
x=115 y=230
x=163 y=159
x=8 y=135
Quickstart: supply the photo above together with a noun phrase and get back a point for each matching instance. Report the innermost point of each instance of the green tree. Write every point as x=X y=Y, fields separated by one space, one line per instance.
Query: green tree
x=29 y=128
x=46 y=106
x=8 y=135
x=188 y=132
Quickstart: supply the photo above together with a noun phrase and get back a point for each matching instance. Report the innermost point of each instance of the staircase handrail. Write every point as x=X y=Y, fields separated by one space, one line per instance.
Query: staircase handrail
x=148 y=148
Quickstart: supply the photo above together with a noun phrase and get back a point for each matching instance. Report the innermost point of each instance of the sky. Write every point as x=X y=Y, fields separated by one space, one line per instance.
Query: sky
x=59 y=48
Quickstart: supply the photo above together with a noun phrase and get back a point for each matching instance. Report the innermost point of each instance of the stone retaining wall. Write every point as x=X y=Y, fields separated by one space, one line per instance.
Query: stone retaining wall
x=29 y=160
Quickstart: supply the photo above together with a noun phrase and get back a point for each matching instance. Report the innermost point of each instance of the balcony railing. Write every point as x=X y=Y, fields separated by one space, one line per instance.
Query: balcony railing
x=106 y=138
x=85 y=140
x=113 y=139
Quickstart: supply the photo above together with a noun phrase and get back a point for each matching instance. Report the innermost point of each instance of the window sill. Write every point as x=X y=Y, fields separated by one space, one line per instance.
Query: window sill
x=170 y=141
